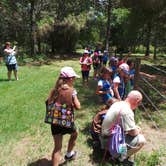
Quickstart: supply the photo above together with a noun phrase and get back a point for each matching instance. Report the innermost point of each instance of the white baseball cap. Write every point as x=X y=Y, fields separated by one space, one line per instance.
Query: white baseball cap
x=86 y=52
x=68 y=72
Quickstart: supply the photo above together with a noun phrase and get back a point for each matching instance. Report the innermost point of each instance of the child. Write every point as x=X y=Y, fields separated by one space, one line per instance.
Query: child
x=131 y=72
x=105 y=57
x=104 y=86
x=85 y=62
x=64 y=93
x=119 y=81
x=96 y=126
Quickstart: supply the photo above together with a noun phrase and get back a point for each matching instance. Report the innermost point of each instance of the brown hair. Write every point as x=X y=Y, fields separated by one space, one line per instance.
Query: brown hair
x=7 y=44
x=104 y=70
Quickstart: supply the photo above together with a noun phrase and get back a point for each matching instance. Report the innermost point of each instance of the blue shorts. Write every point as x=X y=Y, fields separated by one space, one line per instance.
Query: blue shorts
x=12 y=67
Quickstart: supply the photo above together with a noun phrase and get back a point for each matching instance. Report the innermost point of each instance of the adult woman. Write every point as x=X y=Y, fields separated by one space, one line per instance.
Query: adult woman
x=10 y=60
x=64 y=93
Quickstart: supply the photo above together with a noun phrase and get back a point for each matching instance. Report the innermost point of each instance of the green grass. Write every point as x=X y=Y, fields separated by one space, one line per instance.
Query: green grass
x=22 y=127
x=25 y=140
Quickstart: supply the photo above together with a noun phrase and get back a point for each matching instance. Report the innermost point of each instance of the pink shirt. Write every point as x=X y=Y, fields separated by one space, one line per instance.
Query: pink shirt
x=85 y=63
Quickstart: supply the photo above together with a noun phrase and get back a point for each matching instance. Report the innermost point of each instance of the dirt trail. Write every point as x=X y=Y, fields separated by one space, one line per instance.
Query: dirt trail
x=155 y=138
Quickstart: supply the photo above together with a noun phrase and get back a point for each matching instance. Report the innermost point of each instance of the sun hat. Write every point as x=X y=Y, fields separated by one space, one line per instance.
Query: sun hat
x=125 y=68
x=86 y=52
x=68 y=72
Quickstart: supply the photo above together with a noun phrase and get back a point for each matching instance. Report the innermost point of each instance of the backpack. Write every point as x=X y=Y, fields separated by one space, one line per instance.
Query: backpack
x=116 y=142
x=60 y=111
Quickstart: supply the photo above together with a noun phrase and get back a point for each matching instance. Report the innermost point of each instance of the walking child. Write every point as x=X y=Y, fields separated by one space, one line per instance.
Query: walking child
x=64 y=95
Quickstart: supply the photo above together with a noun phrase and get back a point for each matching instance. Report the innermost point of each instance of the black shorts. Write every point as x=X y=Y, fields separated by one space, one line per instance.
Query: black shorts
x=62 y=130
x=12 y=67
x=96 y=66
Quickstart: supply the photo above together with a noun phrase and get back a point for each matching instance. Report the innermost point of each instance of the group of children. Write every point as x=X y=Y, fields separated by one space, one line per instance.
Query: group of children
x=111 y=86
x=115 y=80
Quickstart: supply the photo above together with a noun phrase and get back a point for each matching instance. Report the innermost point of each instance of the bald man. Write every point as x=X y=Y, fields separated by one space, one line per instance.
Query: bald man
x=133 y=136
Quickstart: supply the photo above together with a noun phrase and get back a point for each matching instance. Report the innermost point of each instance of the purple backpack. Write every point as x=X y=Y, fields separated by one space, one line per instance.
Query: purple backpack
x=116 y=142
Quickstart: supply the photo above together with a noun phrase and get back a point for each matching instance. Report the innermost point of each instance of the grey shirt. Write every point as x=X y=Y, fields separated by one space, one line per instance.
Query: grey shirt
x=127 y=117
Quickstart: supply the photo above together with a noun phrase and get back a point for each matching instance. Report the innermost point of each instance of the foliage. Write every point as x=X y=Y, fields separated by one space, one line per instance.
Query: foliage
x=36 y=25
x=152 y=159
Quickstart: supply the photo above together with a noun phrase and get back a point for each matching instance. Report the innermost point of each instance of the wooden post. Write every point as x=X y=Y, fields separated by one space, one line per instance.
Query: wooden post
x=137 y=70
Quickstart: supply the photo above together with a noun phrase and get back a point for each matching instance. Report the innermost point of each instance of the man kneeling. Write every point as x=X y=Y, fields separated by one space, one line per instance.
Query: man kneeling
x=133 y=135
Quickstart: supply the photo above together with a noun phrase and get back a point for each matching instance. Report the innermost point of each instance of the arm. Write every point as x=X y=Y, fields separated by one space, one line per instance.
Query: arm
x=76 y=102
x=147 y=75
x=51 y=95
x=134 y=132
x=116 y=92
x=8 y=51
x=99 y=91
x=14 y=48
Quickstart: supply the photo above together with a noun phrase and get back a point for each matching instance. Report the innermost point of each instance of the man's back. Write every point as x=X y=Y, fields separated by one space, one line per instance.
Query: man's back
x=127 y=117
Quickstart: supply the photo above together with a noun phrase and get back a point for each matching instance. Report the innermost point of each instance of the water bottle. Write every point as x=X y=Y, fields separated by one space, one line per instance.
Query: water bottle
x=123 y=151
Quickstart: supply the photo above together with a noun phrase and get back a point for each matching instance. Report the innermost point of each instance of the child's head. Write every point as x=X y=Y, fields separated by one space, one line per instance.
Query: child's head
x=105 y=72
x=130 y=63
x=67 y=76
x=7 y=44
x=68 y=72
x=86 y=53
x=124 y=70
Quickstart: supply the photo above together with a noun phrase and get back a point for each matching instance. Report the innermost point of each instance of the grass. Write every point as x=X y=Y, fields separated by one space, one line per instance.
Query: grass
x=25 y=140
x=22 y=127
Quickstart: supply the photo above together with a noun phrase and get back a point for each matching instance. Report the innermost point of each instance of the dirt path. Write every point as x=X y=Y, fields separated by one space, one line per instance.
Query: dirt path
x=155 y=138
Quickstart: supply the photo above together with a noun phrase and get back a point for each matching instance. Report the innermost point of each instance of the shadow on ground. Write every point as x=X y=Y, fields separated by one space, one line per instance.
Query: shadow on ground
x=41 y=162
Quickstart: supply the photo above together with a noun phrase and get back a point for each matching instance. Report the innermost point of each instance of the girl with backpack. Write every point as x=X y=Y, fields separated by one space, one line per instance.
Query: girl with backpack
x=64 y=94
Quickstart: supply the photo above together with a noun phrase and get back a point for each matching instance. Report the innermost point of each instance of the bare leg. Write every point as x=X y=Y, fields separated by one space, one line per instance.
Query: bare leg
x=9 y=75
x=134 y=150
x=72 y=141
x=56 y=154
x=15 y=74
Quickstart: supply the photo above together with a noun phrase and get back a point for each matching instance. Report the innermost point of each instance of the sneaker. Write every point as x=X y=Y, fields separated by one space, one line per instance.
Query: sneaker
x=128 y=162
x=72 y=157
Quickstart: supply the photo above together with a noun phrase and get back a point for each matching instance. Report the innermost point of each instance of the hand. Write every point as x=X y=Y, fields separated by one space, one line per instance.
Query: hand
x=14 y=47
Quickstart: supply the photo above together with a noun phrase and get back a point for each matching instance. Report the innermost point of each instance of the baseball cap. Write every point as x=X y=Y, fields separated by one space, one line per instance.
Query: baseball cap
x=86 y=52
x=68 y=72
x=125 y=68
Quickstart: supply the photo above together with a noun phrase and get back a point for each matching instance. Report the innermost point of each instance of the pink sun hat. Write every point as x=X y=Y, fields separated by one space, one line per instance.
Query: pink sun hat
x=68 y=72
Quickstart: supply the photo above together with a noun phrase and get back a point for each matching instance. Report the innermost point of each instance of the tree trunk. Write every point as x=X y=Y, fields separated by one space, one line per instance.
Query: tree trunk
x=33 y=28
x=39 y=45
x=109 y=7
x=155 y=49
x=148 y=33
